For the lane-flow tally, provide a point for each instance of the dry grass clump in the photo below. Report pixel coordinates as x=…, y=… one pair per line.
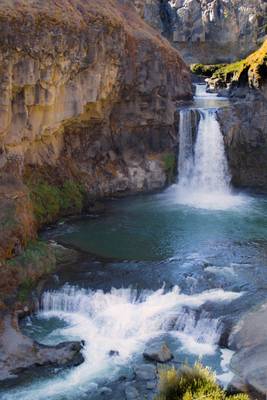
x=195, y=383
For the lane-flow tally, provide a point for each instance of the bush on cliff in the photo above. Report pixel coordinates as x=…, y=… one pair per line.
x=192, y=384
x=50, y=201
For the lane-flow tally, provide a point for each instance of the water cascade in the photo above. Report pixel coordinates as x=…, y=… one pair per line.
x=204, y=178
x=122, y=321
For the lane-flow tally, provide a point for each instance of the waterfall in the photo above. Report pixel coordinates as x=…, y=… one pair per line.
x=185, y=159
x=203, y=174
x=205, y=169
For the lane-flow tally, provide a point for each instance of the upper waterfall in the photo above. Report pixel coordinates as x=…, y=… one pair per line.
x=205, y=167
x=203, y=173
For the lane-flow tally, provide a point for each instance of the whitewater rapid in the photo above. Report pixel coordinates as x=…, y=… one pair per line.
x=122, y=321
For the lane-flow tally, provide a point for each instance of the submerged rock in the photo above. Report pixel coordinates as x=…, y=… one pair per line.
x=158, y=352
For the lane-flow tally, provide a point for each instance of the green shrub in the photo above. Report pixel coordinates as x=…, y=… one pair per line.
x=37, y=259
x=205, y=70
x=46, y=202
x=50, y=201
x=192, y=384
x=72, y=197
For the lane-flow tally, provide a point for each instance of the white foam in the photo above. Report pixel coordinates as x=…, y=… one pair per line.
x=227, y=375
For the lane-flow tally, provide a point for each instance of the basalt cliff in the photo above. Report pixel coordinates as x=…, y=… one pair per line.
x=86, y=110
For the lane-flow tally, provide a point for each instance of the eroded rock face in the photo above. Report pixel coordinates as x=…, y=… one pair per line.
x=244, y=126
x=210, y=31
x=83, y=97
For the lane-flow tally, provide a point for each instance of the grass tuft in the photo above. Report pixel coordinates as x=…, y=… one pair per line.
x=192, y=384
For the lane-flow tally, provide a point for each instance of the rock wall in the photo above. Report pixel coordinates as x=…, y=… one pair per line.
x=82, y=98
x=209, y=31
x=244, y=126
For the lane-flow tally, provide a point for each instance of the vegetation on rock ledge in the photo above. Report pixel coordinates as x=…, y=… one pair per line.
x=51, y=201
x=251, y=70
x=192, y=384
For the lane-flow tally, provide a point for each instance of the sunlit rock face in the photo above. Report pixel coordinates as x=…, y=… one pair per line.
x=209, y=31
x=83, y=97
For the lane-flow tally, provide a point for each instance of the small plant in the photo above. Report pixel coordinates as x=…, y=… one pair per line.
x=192, y=384
x=169, y=165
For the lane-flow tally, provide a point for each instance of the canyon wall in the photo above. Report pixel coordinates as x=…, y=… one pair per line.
x=208, y=31
x=83, y=99
x=244, y=126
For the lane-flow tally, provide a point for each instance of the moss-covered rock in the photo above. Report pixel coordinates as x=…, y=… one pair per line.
x=205, y=70
x=251, y=71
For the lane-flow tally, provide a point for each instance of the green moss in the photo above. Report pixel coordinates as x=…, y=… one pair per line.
x=50, y=201
x=72, y=196
x=8, y=218
x=204, y=70
x=37, y=259
x=192, y=384
x=25, y=289
x=169, y=165
x=251, y=70
x=32, y=254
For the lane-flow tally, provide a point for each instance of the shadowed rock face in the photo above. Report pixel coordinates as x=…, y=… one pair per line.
x=209, y=31
x=249, y=339
x=83, y=97
x=244, y=126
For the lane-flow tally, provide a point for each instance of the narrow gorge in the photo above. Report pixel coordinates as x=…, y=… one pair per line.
x=133, y=208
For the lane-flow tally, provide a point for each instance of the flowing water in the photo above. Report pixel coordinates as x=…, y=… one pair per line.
x=180, y=266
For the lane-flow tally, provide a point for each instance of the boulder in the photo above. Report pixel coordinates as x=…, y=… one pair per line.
x=249, y=338
x=158, y=352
